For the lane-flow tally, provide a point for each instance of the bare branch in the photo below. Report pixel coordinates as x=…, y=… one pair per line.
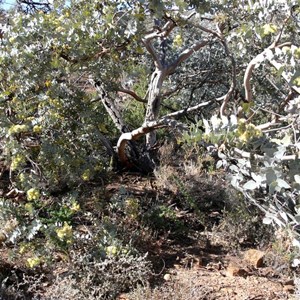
x=162, y=32
x=178, y=113
x=189, y=16
x=248, y=74
x=287, y=99
x=220, y=36
x=284, y=75
x=153, y=53
x=110, y=107
x=210, y=31
x=185, y=55
x=260, y=58
x=132, y=94
x=130, y=136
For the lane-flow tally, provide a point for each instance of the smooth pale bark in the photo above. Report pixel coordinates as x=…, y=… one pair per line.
x=111, y=108
x=154, y=103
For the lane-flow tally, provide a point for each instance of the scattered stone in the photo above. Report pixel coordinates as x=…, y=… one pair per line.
x=214, y=266
x=254, y=257
x=122, y=297
x=289, y=282
x=2, y=237
x=235, y=270
x=289, y=288
x=167, y=277
x=198, y=263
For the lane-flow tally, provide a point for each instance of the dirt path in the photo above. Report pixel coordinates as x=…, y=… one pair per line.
x=226, y=277
x=201, y=268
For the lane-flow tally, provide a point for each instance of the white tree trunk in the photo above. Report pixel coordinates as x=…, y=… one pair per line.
x=154, y=102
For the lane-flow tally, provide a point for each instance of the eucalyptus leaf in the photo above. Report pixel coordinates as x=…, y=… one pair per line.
x=297, y=178
x=282, y=183
x=215, y=122
x=258, y=178
x=234, y=168
x=267, y=220
x=219, y=164
x=284, y=216
x=270, y=175
x=280, y=153
x=250, y=185
x=233, y=120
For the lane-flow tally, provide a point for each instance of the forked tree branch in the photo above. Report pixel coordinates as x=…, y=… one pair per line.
x=184, y=55
x=157, y=33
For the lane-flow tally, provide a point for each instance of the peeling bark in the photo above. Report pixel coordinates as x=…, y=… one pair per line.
x=154, y=102
x=111, y=108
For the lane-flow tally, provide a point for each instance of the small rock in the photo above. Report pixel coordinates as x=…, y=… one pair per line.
x=167, y=277
x=289, y=288
x=122, y=297
x=254, y=257
x=198, y=263
x=3, y=237
x=289, y=282
x=235, y=270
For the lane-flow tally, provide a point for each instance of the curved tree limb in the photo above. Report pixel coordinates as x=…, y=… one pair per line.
x=248, y=73
x=258, y=59
x=132, y=94
x=147, y=127
x=184, y=55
